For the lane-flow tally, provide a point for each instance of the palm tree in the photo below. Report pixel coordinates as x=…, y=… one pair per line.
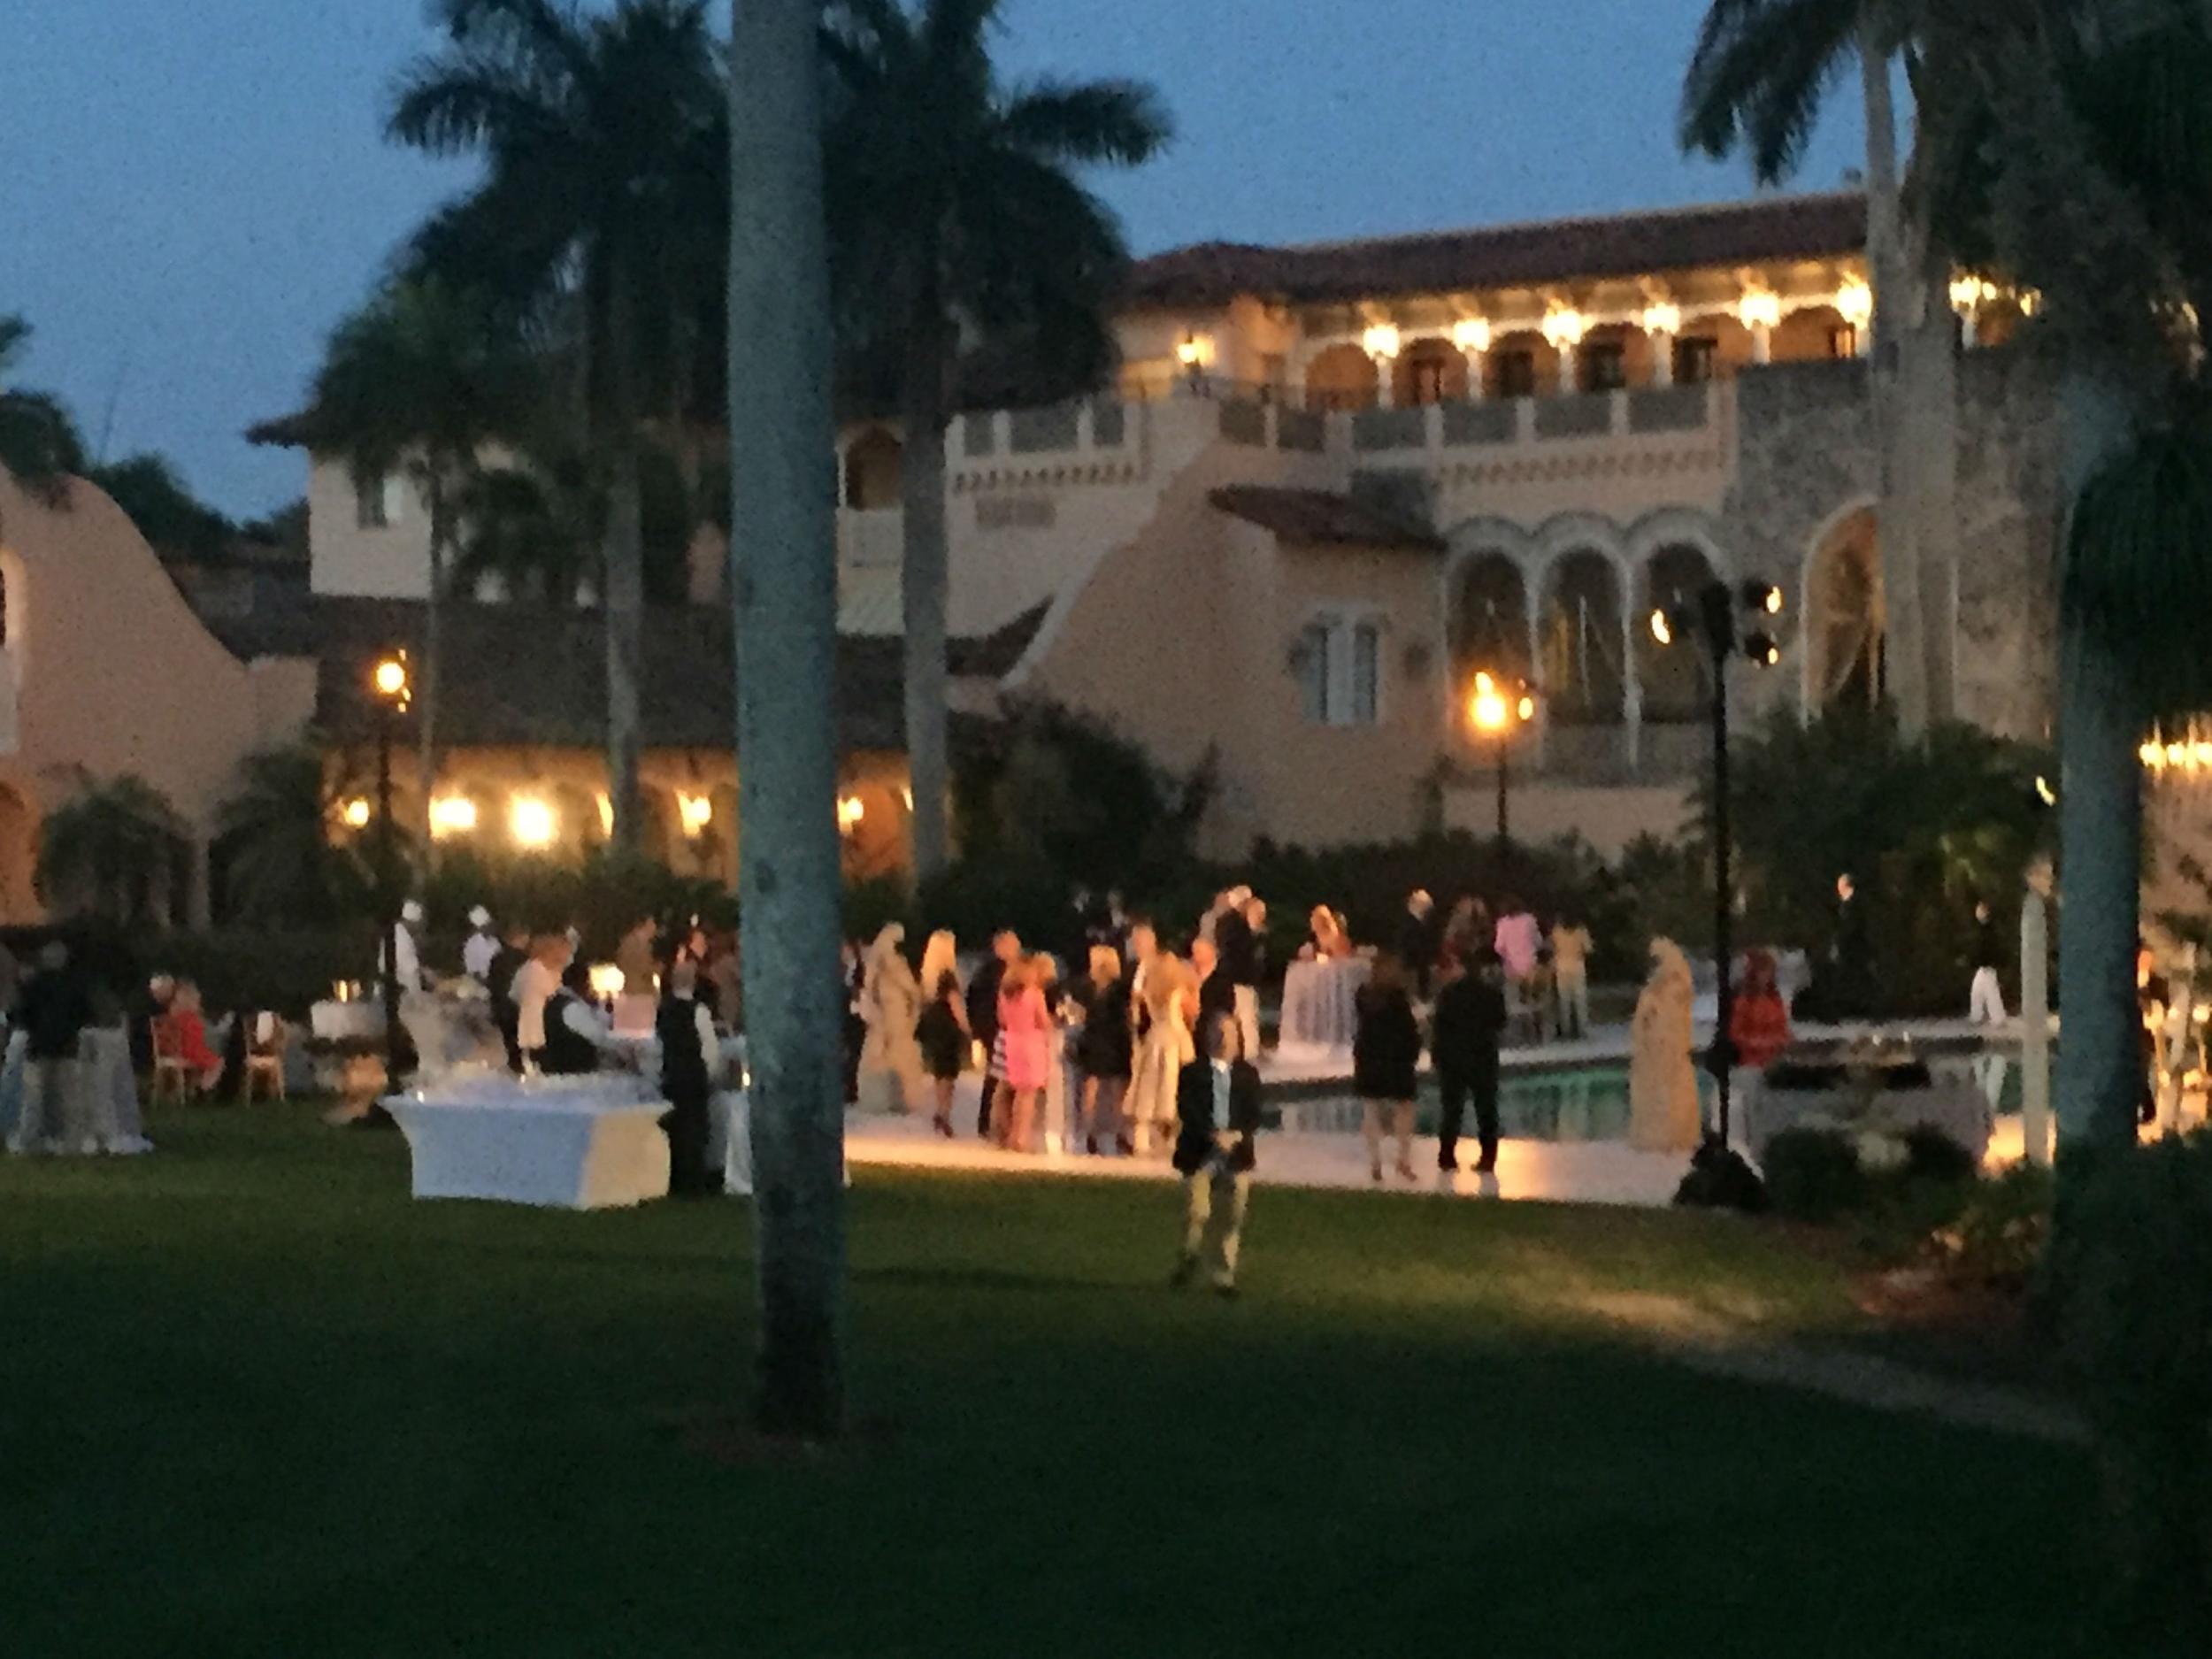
x=959, y=219
x=781, y=426
x=110, y=850
x=601, y=135
x=1756, y=80
x=419, y=383
x=38, y=441
x=278, y=861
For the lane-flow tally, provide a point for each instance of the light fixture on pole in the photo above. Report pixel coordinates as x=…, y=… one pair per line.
x=1729, y=622
x=393, y=689
x=1496, y=708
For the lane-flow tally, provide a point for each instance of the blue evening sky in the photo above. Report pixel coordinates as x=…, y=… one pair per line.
x=191, y=194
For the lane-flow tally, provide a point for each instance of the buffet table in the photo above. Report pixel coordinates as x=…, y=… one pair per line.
x=1318, y=1012
x=570, y=1143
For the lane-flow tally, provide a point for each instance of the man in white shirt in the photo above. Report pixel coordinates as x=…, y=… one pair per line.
x=480, y=947
x=1218, y=1104
x=536, y=982
x=401, y=950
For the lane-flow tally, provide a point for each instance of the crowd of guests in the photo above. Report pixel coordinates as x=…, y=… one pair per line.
x=1546, y=971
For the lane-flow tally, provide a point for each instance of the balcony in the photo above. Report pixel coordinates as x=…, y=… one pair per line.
x=1647, y=411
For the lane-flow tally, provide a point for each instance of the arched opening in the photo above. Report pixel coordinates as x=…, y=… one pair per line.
x=1489, y=620
x=873, y=462
x=1813, y=334
x=1844, y=617
x=1612, y=357
x=1520, y=364
x=1430, y=371
x=1342, y=377
x=1675, y=683
x=1584, y=679
x=1711, y=347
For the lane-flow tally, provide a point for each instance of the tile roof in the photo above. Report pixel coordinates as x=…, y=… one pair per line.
x=1322, y=516
x=1507, y=256
x=496, y=690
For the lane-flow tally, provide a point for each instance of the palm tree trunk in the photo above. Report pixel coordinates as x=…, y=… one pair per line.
x=623, y=562
x=2100, y=827
x=786, y=600
x=433, y=650
x=1904, y=648
x=924, y=582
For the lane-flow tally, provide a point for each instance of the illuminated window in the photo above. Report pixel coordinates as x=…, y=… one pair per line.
x=1604, y=366
x=1695, y=358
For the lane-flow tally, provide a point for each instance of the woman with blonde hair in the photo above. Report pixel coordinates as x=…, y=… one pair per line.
x=1165, y=1005
x=890, y=1006
x=943, y=1033
x=940, y=956
x=1104, y=1044
x=1025, y=1027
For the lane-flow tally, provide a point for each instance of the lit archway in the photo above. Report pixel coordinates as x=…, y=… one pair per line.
x=1342, y=377
x=1583, y=677
x=1844, y=621
x=1489, y=619
x=1430, y=371
x=1675, y=685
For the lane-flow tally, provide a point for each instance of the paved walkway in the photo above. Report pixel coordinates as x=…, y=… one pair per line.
x=1589, y=1172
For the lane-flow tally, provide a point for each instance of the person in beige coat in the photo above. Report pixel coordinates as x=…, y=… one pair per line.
x=890, y=1006
x=1663, y=1105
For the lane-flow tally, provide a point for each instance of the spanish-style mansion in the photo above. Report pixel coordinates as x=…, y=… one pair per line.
x=1333, y=483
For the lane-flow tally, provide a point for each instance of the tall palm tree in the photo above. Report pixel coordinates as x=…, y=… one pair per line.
x=110, y=850
x=602, y=136
x=781, y=426
x=958, y=218
x=39, y=443
x=2091, y=172
x=1756, y=80
x=419, y=383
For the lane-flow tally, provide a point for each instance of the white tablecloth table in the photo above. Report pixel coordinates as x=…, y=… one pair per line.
x=346, y=1022
x=568, y=1143
x=100, y=1100
x=1317, y=1004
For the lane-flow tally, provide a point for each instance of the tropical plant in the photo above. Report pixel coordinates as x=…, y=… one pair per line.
x=781, y=346
x=605, y=196
x=113, y=850
x=1756, y=79
x=958, y=222
x=278, y=861
x=39, y=443
x=419, y=383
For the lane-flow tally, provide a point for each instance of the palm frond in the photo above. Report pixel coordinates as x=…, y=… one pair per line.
x=1757, y=76
x=1117, y=123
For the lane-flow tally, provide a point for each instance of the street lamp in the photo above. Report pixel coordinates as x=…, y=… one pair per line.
x=393, y=690
x=1729, y=622
x=1496, y=708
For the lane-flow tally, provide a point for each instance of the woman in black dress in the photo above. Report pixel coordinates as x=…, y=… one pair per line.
x=1105, y=1044
x=942, y=1035
x=1386, y=1056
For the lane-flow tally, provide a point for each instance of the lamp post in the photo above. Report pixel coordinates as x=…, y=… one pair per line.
x=1715, y=614
x=394, y=692
x=1496, y=708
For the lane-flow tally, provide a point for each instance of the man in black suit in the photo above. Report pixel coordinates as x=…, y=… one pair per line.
x=1417, y=941
x=1237, y=934
x=1469, y=1024
x=1217, y=1109
x=1217, y=991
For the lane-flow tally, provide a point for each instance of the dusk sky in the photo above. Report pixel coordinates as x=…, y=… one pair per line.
x=191, y=195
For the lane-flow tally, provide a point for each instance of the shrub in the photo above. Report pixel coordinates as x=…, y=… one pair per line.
x=1931, y=1155
x=2131, y=1277
x=1814, y=1174
x=1997, y=1240
x=248, y=970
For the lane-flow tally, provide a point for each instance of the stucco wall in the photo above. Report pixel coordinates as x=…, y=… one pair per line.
x=117, y=676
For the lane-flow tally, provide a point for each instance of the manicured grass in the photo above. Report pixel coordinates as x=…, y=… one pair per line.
x=255, y=1401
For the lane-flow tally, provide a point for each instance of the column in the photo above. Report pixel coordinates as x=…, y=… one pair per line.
x=1385, y=378
x=1478, y=363
x=1662, y=358
x=1568, y=353
x=1534, y=593
x=1761, y=342
x=1632, y=681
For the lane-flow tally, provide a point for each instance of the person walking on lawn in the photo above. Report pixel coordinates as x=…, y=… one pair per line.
x=1217, y=1120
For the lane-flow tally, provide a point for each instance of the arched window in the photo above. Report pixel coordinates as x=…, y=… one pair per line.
x=1584, y=660
x=1430, y=371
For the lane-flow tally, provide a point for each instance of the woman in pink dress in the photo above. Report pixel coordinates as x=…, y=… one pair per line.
x=1026, y=1025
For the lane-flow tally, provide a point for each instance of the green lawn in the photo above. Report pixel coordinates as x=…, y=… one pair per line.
x=253, y=1401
